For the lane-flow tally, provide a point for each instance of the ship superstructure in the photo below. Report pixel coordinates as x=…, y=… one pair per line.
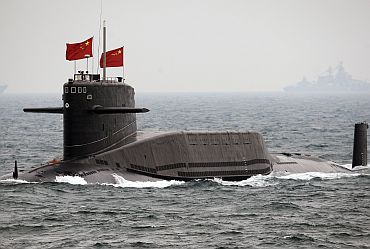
x=335, y=80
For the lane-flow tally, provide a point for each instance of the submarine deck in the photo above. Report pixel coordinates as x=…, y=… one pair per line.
x=300, y=163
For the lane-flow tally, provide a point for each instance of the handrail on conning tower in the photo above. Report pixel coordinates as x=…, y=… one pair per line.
x=81, y=76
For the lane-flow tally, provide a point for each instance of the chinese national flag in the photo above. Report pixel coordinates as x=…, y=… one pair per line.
x=77, y=51
x=114, y=58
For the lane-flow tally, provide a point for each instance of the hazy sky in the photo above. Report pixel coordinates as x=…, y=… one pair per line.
x=186, y=45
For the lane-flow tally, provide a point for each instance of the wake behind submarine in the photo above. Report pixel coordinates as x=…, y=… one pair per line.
x=101, y=142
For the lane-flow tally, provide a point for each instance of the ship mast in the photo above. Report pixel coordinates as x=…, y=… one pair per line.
x=104, y=51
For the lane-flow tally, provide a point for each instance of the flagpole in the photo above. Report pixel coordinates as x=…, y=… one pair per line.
x=104, y=51
x=92, y=64
x=123, y=66
x=75, y=66
x=87, y=63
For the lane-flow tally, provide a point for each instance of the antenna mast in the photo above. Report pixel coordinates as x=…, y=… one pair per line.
x=104, y=51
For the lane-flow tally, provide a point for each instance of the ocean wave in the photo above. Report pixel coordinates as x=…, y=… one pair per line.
x=360, y=168
x=357, y=168
x=75, y=180
x=254, y=181
x=123, y=183
x=15, y=181
x=273, y=179
x=316, y=175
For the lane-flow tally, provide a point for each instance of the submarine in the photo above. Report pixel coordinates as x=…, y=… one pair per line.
x=101, y=142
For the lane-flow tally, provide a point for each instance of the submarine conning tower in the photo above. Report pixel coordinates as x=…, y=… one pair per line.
x=87, y=132
x=98, y=115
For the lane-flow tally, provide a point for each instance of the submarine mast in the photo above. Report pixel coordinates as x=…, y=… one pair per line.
x=104, y=51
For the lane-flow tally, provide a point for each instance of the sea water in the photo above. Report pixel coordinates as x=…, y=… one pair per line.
x=309, y=210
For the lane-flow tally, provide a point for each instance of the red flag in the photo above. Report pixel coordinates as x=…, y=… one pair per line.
x=77, y=51
x=114, y=58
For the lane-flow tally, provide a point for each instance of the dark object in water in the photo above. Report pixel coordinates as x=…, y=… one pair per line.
x=15, y=172
x=360, y=145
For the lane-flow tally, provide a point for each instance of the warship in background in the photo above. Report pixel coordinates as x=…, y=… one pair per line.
x=332, y=81
x=2, y=88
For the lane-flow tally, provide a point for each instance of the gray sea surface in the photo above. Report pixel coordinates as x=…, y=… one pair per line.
x=312, y=210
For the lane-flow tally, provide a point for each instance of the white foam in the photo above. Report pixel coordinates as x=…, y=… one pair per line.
x=15, y=181
x=76, y=180
x=360, y=168
x=123, y=183
x=357, y=168
x=347, y=166
x=311, y=175
x=254, y=181
x=273, y=178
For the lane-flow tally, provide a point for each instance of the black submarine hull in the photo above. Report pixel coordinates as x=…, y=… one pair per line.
x=183, y=156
